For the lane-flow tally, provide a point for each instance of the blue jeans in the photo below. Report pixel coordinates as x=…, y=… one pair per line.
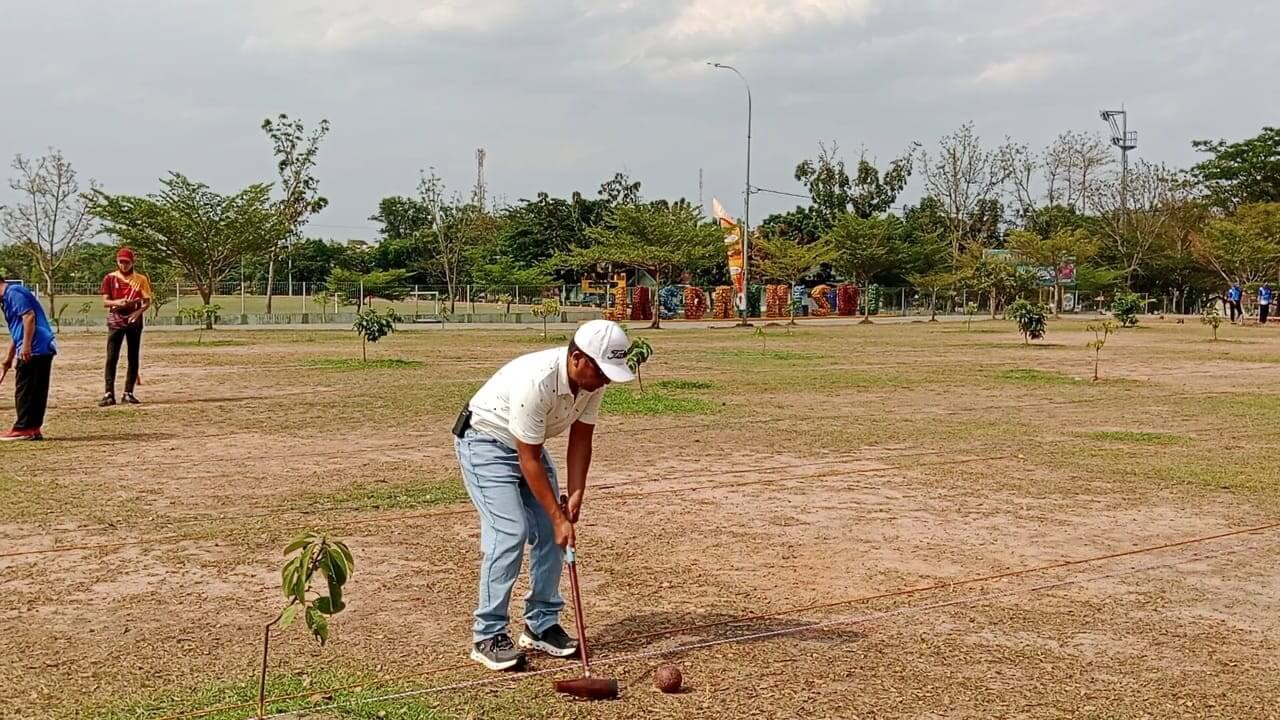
x=510, y=516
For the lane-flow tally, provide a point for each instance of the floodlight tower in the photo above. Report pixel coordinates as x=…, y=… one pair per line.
x=1125, y=139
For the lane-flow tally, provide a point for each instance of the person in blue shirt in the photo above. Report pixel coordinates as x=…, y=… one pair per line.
x=1234, y=295
x=33, y=346
x=1264, y=303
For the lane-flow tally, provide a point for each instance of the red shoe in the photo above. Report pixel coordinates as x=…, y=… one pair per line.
x=16, y=435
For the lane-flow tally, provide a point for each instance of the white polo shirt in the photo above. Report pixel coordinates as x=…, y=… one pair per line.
x=529, y=400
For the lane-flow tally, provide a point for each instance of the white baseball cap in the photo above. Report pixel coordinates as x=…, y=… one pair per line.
x=605, y=342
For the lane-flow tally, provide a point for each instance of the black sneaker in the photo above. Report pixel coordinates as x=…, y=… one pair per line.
x=497, y=653
x=107, y=400
x=129, y=399
x=553, y=641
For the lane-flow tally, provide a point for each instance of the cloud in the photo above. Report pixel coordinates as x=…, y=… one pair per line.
x=1017, y=71
x=562, y=93
x=657, y=36
x=301, y=25
x=748, y=19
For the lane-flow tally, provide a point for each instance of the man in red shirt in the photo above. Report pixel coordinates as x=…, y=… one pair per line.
x=126, y=294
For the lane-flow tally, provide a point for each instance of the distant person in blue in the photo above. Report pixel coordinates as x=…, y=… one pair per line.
x=1234, y=295
x=1264, y=303
x=33, y=347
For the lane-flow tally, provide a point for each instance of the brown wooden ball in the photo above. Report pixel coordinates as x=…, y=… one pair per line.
x=667, y=679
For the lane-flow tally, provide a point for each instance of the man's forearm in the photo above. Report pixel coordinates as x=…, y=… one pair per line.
x=579, y=463
x=28, y=332
x=535, y=475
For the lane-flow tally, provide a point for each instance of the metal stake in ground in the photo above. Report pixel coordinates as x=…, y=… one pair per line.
x=585, y=687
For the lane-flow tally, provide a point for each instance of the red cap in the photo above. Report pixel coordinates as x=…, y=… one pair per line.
x=124, y=254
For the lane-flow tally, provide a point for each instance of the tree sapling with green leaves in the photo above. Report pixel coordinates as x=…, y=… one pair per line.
x=1126, y=308
x=315, y=554
x=1031, y=319
x=372, y=326
x=1101, y=331
x=505, y=300
x=638, y=354
x=1212, y=317
x=970, y=309
x=201, y=315
x=931, y=284
x=549, y=307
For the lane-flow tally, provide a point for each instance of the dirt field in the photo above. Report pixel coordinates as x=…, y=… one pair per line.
x=752, y=477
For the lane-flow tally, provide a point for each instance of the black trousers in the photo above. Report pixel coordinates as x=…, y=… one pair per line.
x=115, y=337
x=31, y=396
x=1263, y=312
x=1236, y=312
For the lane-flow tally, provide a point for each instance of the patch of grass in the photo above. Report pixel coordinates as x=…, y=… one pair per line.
x=1260, y=408
x=1031, y=376
x=783, y=355
x=1137, y=437
x=827, y=380
x=679, y=385
x=550, y=339
x=246, y=691
x=351, y=364
x=977, y=329
x=400, y=496
x=206, y=343
x=359, y=702
x=428, y=399
x=31, y=498
x=1267, y=359
x=1258, y=477
x=625, y=401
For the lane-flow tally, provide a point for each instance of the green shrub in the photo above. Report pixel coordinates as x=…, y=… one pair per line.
x=372, y=326
x=1126, y=308
x=1031, y=318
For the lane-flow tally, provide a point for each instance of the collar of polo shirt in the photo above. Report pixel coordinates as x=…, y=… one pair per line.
x=562, y=374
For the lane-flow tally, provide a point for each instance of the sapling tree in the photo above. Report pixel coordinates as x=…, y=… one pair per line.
x=931, y=284
x=970, y=309
x=1126, y=308
x=1101, y=331
x=201, y=315
x=56, y=316
x=372, y=326
x=638, y=354
x=1212, y=317
x=315, y=554
x=1031, y=319
x=549, y=307
x=764, y=338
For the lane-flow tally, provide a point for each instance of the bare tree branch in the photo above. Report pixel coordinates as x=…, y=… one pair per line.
x=51, y=218
x=962, y=176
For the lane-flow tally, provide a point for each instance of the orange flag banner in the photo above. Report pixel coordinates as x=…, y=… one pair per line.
x=733, y=248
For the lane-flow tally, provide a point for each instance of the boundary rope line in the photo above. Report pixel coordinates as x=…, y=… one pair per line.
x=750, y=618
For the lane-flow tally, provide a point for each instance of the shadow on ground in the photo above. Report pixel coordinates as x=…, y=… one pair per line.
x=112, y=437
x=640, y=631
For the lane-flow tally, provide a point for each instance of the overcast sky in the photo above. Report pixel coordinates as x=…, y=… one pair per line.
x=563, y=93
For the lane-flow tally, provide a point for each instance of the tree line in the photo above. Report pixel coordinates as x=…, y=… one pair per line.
x=1176, y=232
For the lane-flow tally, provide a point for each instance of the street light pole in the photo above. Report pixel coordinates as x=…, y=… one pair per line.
x=746, y=195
